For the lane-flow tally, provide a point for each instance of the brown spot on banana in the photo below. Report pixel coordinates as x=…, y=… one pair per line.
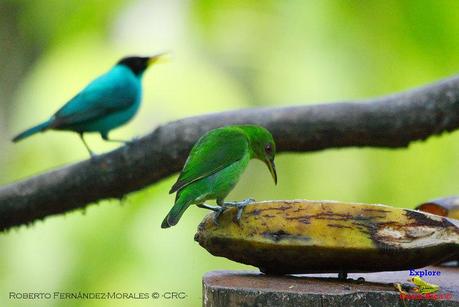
x=446, y=206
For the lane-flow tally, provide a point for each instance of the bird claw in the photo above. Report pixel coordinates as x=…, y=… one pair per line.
x=93, y=157
x=217, y=209
x=217, y=215
x=238, y=204
x=124, y=142
x=240, y=207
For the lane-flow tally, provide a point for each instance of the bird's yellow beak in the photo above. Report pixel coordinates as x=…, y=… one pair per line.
x=159, y=58
x=272, y=169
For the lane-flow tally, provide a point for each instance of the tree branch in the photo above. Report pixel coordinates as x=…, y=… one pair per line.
x=392, y=121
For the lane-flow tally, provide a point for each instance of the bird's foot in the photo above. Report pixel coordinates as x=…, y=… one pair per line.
x=125, y=142
x=93, y=156
x=240, y=205
x=217, y=214
x=217, y=209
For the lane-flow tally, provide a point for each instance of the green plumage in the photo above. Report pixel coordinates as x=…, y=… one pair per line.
x=216, y=163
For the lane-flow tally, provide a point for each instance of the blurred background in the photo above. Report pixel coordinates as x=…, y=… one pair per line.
x=226, y=55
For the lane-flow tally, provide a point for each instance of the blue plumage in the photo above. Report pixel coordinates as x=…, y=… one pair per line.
x=106, y=103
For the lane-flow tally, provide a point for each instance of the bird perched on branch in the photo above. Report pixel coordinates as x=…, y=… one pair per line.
x=215, y=165
x=106, y=103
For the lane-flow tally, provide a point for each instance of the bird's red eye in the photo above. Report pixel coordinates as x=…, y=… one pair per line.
x=268, y=148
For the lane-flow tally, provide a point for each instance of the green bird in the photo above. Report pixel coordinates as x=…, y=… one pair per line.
x=215, y=165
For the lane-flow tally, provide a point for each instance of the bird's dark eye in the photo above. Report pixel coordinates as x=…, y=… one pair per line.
x=268, y=148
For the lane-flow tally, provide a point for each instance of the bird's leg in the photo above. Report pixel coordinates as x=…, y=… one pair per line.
x=222, y=206
x=209, y=207
x=240, y=205
x=86, y=145
x=236, y=204
x=217, y=209
x=217, y=214
x=106, y=138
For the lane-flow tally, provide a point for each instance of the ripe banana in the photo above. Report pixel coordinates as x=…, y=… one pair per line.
x=301, y=236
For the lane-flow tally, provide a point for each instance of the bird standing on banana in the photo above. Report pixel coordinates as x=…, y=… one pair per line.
x=215, y=165
x=106, y=103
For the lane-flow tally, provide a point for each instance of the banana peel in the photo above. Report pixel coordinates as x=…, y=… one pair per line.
x=302, y=236
x=445, y=206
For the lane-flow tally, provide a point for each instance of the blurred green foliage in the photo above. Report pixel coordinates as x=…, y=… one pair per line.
x=226, y=55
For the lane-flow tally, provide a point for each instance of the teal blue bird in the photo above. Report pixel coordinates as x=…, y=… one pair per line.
x=106, y=103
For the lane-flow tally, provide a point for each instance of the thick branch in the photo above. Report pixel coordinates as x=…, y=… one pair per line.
x=392, y=121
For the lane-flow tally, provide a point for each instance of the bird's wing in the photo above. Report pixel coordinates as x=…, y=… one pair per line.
x=105, y=95
x=212, y=153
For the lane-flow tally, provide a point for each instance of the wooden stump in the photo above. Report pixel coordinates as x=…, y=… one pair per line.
x=250, y=288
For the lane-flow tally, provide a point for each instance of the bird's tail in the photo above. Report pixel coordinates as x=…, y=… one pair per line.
x=38, y=128
x=182, y=203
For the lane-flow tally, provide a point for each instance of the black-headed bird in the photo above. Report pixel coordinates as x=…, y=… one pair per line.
x=106, y=103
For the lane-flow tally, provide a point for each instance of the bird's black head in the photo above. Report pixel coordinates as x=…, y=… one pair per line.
x=136, y=64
